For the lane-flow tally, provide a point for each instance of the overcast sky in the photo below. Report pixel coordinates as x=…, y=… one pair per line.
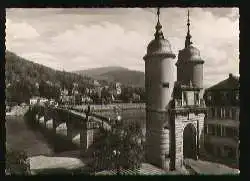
x=75, y=39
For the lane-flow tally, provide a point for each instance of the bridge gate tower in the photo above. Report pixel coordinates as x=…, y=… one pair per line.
x=175, y=111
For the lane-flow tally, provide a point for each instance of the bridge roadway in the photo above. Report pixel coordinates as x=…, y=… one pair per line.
x=78, y=127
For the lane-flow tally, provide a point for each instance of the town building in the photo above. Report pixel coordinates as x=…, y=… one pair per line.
x=96, y=83
x=75, y=88
x=222, y=122
x=66, y=99
x=64, y=92
x=118, y=88
x=136, y=97
x=38, y=100
x=175, y=111
x=33, y=100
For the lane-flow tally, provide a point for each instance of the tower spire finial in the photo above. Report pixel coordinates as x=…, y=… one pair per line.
x=188, y=37
x=188, y=22
x=158, y=14
x=158, y=33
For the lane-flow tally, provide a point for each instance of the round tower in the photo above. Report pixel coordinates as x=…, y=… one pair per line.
x=188, y=110
x=159, y=84
x=189, y=60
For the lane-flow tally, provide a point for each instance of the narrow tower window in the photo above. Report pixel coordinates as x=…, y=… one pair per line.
x=165, y=85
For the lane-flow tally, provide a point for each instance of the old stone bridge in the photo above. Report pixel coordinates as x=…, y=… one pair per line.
x=81, y=128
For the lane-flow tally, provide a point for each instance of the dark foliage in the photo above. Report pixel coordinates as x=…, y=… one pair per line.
x=17, y=163
x=121, y=148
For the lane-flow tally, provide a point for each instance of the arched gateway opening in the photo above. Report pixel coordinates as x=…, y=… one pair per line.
x=189, y=142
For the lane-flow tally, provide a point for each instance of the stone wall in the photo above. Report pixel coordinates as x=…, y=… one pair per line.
x=181, y=121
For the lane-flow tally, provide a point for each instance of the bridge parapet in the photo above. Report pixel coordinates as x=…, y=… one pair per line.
x=109, y=107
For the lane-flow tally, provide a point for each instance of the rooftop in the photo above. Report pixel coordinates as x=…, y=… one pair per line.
x=232, y=82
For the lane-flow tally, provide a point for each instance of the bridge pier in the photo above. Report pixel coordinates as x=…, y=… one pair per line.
x=41, y=120
x=49, y=124
x=54, y=116
x=54, y=125
x=69, y=130
x=36, y=121
x=46, y=118
x=83, y=138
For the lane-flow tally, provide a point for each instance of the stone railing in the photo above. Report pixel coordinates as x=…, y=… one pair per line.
x=178, y=103
x=121, y=106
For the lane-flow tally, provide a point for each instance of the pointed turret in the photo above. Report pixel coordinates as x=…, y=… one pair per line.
x=188, y=37
x=158, y=27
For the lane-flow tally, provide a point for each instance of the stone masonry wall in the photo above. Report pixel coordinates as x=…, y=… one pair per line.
x=180, y=123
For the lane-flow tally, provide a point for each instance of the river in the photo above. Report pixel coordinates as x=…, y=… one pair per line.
x=20, y=137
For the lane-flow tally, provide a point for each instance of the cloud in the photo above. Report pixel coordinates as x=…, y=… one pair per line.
x=74, y=39
x=111, y=47
x=18, y=31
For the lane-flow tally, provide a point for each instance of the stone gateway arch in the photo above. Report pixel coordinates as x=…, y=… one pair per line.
x=189, y=142
x=175, y=110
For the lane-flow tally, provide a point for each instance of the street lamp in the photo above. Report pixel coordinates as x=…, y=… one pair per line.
x=88, y=111
x=117, y=154
x=118, y=115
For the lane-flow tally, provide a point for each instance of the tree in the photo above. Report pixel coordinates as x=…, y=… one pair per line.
x=122, y=147
x=19, y=91
x=126, y=94
x=105, y=95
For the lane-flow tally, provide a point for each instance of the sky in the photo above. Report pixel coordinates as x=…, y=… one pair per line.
x=77, y=39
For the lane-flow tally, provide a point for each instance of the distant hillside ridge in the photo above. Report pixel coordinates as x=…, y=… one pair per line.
x=18, y=68
x=116, y=74
x=99, y=70
x=25, y=79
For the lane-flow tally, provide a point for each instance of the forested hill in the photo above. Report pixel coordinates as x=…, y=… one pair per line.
x=22, y=77
x=18, y=68
x=116, y=74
